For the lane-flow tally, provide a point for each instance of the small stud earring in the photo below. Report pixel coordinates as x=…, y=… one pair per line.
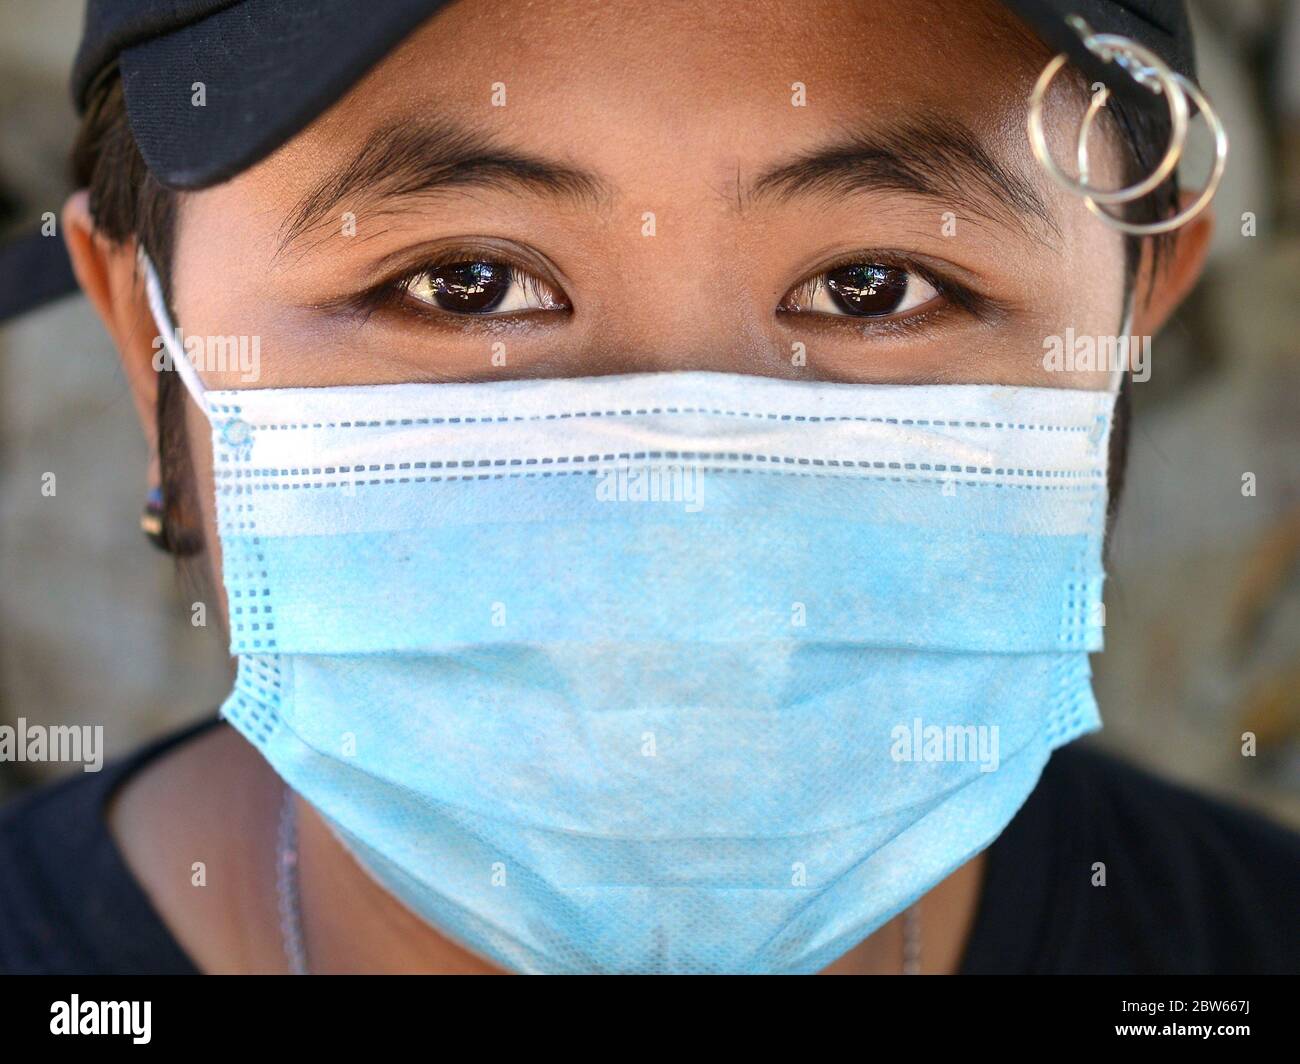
x=152, y=520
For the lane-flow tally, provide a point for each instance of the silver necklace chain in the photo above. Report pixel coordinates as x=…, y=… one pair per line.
x=286, y=887
x=289, y=898
x=912, y=939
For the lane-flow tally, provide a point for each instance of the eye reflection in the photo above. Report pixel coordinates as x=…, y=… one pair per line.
x=862, y=290
x=477, y=285
x=480, y=287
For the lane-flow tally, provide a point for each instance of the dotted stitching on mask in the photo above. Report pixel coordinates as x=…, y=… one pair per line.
x=781, y=461
x=274, y=486
x=1072, y=686
x=661, y=410
x=257, y=697
x=252, y=622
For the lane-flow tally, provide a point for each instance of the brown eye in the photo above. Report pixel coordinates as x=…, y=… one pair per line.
x=873, y=290
x=469, y=287
x=862, y=290
x=479, y=287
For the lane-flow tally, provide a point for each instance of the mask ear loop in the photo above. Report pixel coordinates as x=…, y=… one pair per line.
x=170, y=335
x=1125, y=337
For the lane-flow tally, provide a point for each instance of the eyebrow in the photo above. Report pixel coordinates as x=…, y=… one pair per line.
x=411, y=159
x=937, y=158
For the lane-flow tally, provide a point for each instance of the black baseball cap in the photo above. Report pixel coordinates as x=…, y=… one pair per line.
x=267, y=68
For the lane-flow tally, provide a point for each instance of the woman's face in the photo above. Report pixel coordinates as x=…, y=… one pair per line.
x=817, y=191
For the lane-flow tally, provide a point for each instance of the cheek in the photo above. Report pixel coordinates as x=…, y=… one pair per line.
x=1096, y=307
x=1081, y=299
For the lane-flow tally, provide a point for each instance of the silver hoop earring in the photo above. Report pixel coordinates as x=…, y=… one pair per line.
x=1194, y=208
x=1152, y=73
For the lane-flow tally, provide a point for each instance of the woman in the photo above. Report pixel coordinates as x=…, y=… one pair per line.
x=524, y=386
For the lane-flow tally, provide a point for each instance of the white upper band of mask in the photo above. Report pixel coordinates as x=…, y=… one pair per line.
x=717, y=420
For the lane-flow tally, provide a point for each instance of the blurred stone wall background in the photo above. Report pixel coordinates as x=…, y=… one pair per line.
x=94, y=628
x=1203, y=603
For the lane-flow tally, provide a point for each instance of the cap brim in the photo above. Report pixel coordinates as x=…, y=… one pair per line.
x=211, y=99
x=217, y=96
x=267, y=68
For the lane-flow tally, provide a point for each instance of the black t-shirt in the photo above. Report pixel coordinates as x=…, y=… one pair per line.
x=1192, y=885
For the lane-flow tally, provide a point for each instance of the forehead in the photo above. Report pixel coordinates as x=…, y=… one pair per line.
x=674, y=107
x=652, y=85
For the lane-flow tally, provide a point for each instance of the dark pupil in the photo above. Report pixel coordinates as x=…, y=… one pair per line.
x=869, y=290
x=470, y=287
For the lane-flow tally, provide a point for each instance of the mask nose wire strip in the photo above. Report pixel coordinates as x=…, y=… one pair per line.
x=167, y=333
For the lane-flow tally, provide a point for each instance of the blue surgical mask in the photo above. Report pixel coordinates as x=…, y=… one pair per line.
x=667, y=672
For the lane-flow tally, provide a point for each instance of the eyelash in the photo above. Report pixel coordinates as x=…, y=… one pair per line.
x=392, y=294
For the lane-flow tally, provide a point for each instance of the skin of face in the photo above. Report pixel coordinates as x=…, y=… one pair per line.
x=678, y=236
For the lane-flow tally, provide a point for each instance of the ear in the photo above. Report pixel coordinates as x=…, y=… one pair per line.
x=1159, y=294
x=106, y=271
